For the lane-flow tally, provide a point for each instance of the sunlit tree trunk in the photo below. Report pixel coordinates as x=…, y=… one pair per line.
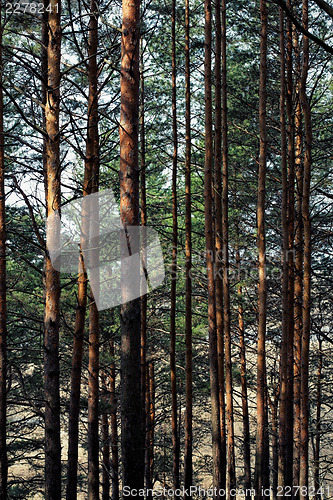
x=132, y=437
x=262, y=471
x=174, y=425
x=52, y=279
x=213, y=361
x=188, y=472
x=3, y=308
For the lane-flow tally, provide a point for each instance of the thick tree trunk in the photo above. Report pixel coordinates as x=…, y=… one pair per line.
x=243, y=373
x=105, y=445
x=132, y=437
x=188, y=472
x=262, y=470
x=304, y=453
x=52, y=279
x=3, y=308
x=213, y=360
x=114, y=427
x=174, y=425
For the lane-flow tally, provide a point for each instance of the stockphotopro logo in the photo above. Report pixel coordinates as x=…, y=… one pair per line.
x=122, y=264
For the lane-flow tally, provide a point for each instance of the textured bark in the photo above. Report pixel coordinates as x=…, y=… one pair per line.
x=174, y=425
x=188, y=472
x=3, y=307
x=218, y=236
x=304, y=452
x=262, y=470
x=225, y=256
x=243, y=373
x=213, y=360
x=298, y=267
x=92, y=157
x=105, y=445
x=114, y=428
x=132, y=437
x=52, y=280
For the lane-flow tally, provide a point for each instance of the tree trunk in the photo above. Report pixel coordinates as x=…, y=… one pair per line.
x=213, y=360
x=283, y=423
x=225, y=255
x=92, y=157
x=106, y=445
x=90, y=184
x=151, y=424
x=245, y=409
x=188, y=261
x=52, y=279
x=144, y=380
x=114, y=428
x=218, y=236
x=262, y=471
x=298, y=268
x=290, y=260
x=132, y=438
x=304, y=458
x=318, y=496
x=174, y=426
x=3, y=307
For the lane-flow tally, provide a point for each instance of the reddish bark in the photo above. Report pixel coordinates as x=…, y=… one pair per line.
x=52, y=280
x=304, y=442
